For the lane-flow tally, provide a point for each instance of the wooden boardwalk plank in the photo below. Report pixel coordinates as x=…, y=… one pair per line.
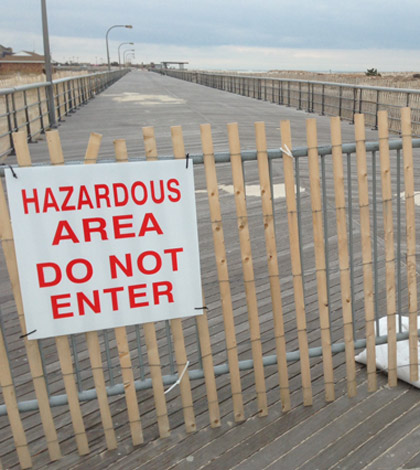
x=143, y=99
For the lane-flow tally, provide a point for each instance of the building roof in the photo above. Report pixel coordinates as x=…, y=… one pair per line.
x=23, y=57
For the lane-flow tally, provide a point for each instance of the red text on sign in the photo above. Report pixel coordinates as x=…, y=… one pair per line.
x=139, y=295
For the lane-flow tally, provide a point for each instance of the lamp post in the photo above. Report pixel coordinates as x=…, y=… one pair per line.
x=48, y=68
x=129, y=26
x=119, y=58
x=125, y=52
x=130, y=56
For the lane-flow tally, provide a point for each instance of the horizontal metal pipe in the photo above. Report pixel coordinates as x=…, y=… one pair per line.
x=312, y=82
x=251, y=155
x=197, y=374
x=31, y=86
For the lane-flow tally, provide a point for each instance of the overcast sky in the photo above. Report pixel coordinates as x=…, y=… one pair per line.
x=338, y=35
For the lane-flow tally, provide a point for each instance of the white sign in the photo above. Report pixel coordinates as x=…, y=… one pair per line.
x=106, y=245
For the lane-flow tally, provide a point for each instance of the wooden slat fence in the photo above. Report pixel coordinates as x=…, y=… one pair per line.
x=279, y=269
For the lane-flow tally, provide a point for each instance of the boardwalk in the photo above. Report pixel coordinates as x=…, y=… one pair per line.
x=377, y=430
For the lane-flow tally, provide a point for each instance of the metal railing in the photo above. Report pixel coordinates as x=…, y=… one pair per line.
x=26, y=107
x=143, y=380
x=325, y=98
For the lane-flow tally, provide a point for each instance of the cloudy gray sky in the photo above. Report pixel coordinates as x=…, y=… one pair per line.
x=339, y=35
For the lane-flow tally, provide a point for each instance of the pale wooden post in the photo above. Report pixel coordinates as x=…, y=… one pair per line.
x=320, y=262
x=151, y=154
x=246, y=255
x=121, y=335
x=9, y=395
x=57, y=158
x=92, y=149
x=227, y=311
x=94, y=348
x=121, y=155
x=343, y=254
x=202, y=324
x=271, y=250
x=411, y=241
x=32, y=348
x=389, y=246
x=92, y=340
x=362, y=175
x=289, y=182
x=151, y=341
x=207, y=358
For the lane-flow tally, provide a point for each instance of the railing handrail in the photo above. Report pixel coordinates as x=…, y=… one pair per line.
x=31, y=86
x=311, y=82
x=251, y=155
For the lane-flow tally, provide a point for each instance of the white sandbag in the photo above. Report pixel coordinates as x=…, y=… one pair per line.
x=403, y=360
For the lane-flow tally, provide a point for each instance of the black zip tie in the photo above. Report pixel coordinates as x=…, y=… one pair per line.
x=27, y=334
x=11, y=169
x=201, y=308
x=187, y=157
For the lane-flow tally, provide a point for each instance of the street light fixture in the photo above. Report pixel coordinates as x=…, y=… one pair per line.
x=119, y=58
x=125, y=52
x=129, y=26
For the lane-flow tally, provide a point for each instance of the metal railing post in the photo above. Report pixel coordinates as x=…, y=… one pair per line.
x=377, y=109
x=28, y=121
x=9, y=121
x=41, y=116
x=340, y=101
x=300, y=96
x=58, y=103
x=355, y=91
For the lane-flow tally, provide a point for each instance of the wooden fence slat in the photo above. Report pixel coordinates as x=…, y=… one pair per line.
x=411, y=241
x=179, y=153
x=156, y=375
x=247, y=265
x=92, y=339
x=230, y=334
x=20, y=143
x=9, y=395
x=62, y=343
x=124, y=349
x=185, y=385
x=54, y=147
x=94, y=349
x=66, y=364
x=389, y=246
x=249, y=279
x=92, y=149
x=202, y=323
x=208, y=367
x=289, y=181
x=32, y=347
x=149, y=328
x=343, y=254
x=320, y=262
x=272, y=259
x=362, y=175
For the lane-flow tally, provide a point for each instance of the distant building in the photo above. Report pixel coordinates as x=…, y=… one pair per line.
x=5, y=51
x=23, y=62
x=181, y=65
